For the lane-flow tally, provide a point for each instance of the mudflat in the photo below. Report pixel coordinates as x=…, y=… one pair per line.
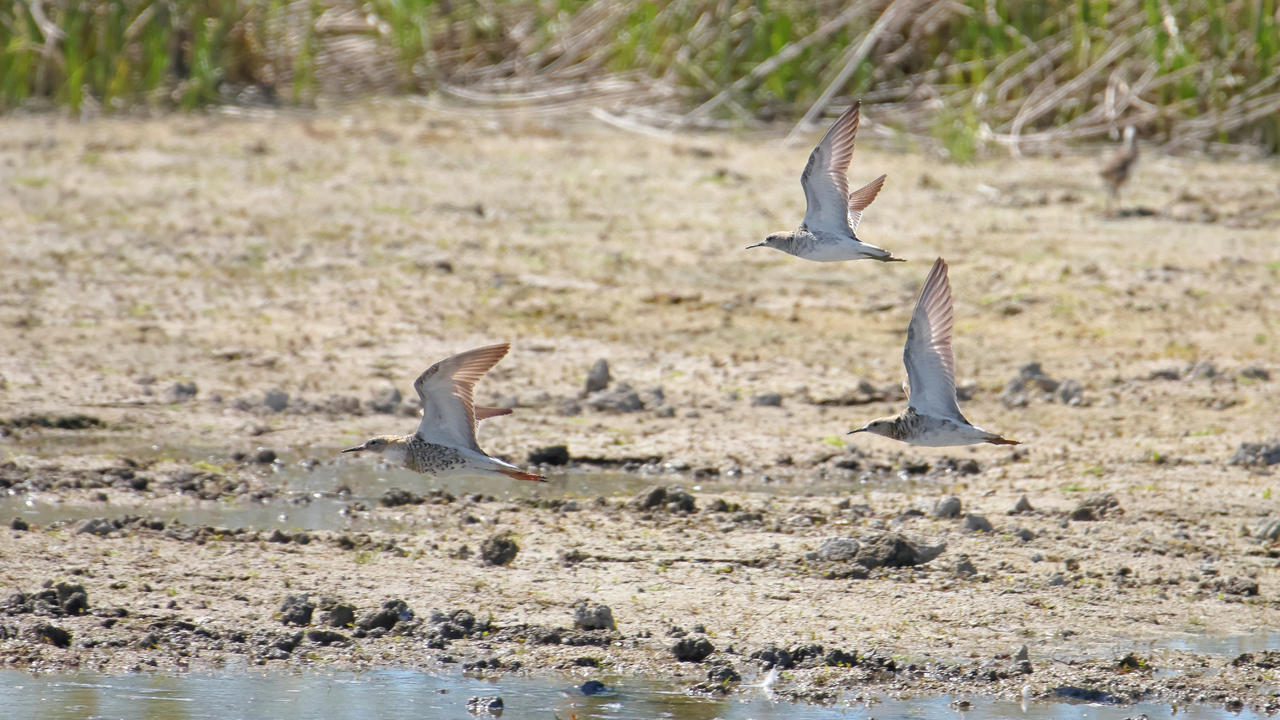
x=195, y=307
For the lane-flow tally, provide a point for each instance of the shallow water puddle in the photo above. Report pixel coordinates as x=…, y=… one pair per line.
x=308, y=493
x=1229, y=646
x=316, y=514
x=386, y=694
x=324, y=470
x=307, y=499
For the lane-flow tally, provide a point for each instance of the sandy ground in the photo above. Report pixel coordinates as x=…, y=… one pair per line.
x=317, y=262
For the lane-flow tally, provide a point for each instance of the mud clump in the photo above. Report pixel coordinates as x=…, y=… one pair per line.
x=1031, y=381
x=890, y=549
x=392, y=612
x=276, y=400
x=54, y=600
x=598, y=377
x=1255, y=372
x=50, y=634
x=75, y=421
x=1256, y=454
x=550, y=455
x=1098, y=506
x=592, y=617
x=395, y=497
x=773, y=656
x=499, y=549
x=1267, y=529
x=690, y=649
x=385, y=400
x=1266, y=659
x=335, y=613
x=444, y=628
x=490, y=705
x=98, y=526
x=1021, y=662
x=327, y=637
x=847, y=558
x=1237, y=586
x=766, y=399
x=1131, y=662
x=542, y=635
x=297, y=610
x=723, y=675
x=673, y=499
x=977, y=523
x=837, y=549
x=621, y=399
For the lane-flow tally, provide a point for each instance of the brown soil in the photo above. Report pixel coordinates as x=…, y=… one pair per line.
x=334, y=257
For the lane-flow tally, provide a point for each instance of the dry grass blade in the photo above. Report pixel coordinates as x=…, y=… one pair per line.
x=856, y=55
x=787, y=53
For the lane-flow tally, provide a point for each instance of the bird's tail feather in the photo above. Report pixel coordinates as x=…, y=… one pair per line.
x=878, y=253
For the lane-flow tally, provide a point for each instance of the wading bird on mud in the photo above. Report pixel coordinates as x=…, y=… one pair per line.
x=445, y=442
x=932, y=416
x=1118, y=168
x=828, y=232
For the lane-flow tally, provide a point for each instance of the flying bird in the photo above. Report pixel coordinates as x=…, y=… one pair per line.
x=445, y=442
x=932, y=417
x=828, y=232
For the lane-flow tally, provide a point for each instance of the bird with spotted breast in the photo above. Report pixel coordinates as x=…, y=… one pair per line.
x=828, y=232
x=445, y=442
x=932, y=417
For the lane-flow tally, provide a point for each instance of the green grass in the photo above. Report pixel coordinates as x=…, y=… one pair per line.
x=978, y=72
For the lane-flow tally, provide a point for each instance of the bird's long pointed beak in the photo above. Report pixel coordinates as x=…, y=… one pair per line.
x=756, y=245
x=861, y=429
x=357, y=448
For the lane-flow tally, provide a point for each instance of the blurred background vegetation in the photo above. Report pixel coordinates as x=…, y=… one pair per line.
x=971, y=74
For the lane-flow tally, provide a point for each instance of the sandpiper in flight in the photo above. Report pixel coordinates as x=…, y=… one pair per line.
x=932, y=416
x=828, y=232
x=445, y=443
x=1118, y=168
